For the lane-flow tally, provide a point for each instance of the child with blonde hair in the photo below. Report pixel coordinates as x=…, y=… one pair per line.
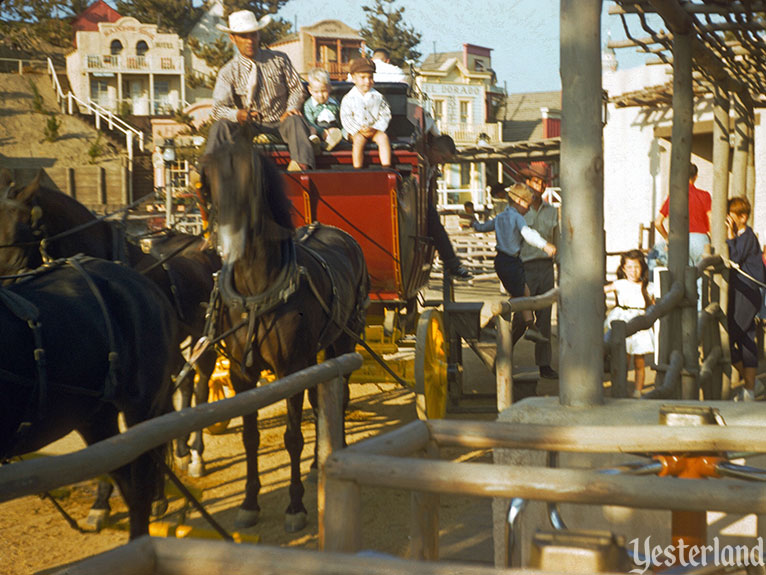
x=321, y=110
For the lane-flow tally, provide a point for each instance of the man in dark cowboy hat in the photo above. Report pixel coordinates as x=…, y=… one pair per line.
x=259, y=87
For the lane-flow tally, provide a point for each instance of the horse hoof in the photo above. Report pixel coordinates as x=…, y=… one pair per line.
x=159, y=507
x=246, y=518
x=183, y=463
x=196, y=466
x=97, y=518
x=295, y=521
x=313, y=475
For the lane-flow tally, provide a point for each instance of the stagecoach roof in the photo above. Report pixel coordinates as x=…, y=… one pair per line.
x=539, y=150
x=729, y=49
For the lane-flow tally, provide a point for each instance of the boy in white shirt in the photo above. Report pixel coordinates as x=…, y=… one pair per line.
x=365, y=114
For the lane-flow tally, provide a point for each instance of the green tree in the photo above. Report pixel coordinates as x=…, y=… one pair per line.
x=215, y=54
x=278, y=28
x=39, y=21
x=386, y=28
x=170, y=15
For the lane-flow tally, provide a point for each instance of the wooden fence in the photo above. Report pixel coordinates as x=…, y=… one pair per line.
x=46, y=473
x=152, y=556
x=407, y=458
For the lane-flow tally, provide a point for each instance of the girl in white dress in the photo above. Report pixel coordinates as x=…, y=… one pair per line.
x=630, y=290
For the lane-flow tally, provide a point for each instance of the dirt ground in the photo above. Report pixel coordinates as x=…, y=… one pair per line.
x=35, y=538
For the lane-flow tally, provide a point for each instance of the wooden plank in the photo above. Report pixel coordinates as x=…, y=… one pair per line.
x=405, y=440
x=44, y=474
x=543, y=484
x=201, y=557
x=424, y=518
x=597, y=438
x=135, y=558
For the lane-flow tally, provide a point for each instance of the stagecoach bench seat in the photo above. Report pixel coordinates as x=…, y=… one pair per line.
x=400, y=130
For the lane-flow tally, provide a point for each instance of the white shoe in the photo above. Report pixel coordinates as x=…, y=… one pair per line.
x=294, y=166
x=334, y=136
x=748, y=395
x=314, y=139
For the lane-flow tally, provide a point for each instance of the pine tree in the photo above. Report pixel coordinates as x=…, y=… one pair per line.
x=43, y=20
x=385, y=28
x=215, y=54
x=169, y=15
x=274, y=31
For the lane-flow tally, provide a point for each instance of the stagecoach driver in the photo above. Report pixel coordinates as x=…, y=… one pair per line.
x=261, y=88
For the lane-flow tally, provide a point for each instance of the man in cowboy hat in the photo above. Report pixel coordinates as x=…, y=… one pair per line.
x=511, y=233
x=259, y=87
x=538, y=265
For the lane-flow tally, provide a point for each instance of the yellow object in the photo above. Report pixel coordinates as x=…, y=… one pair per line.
x=166, y=529
x=431, y=365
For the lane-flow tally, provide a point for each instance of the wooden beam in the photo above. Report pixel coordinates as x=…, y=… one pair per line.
x=543, y=484
x=46, y=473
x=597, y=438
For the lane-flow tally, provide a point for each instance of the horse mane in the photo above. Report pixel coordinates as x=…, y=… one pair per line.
x=253, y=191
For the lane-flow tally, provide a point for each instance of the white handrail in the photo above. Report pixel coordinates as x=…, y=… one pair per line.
x=99, y=111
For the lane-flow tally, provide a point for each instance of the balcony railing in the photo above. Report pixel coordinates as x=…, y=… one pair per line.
x=110, y=63
x=470, y=133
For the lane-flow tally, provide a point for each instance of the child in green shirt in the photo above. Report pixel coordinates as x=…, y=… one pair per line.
x=321, y=110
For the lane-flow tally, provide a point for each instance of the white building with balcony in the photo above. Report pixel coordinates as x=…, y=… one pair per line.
x=460, y=87
x=129, y=68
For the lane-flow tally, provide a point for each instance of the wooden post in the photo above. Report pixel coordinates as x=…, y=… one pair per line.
x=71, y=189
x=739, y=159
x=690, y=345
x=750, y=170
x=721, y=150
x=618, y=361
x=124, y=185
x=582, y=185
x=341, y=524
x=101, y=185
x=678, y=233
x=329, y=436
x=504, y=364
x=722, y=281
x=424, y=520
x=663, y=337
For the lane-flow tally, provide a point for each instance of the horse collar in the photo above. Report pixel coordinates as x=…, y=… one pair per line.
x=279, y=292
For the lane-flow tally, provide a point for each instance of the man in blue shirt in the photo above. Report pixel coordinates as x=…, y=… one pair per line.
x=511, y=231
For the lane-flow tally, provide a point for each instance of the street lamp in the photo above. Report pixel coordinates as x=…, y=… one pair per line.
x=168, y=156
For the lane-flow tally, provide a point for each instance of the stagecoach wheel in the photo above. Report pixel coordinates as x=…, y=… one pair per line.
x=431, y=366
x=220, y=388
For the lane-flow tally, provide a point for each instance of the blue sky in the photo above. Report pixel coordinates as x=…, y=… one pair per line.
x=524, y=34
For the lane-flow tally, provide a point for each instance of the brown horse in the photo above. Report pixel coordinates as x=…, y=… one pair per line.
x=81, y=342
x=301, y=293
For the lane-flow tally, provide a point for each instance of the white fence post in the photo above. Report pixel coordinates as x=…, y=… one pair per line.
x=98, y=120
x=70, y=104
x=129, y=144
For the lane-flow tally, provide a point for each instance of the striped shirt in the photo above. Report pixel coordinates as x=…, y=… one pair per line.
x=358, y=110
x=268, y=84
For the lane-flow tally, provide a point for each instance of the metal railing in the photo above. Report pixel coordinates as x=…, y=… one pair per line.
x=468, y=133
x=100, y=113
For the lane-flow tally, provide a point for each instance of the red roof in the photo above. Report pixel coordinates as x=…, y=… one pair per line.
x=88, y=19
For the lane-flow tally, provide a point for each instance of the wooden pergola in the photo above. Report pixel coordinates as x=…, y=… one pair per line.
x=714, y=47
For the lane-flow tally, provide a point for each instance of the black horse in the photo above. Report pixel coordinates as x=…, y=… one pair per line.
x=300, y=293
x=82, y=341
x=36, y=220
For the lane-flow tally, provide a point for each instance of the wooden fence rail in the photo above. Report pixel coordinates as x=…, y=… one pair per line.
x=405, y=459
x=154, y=556
x=43, y=474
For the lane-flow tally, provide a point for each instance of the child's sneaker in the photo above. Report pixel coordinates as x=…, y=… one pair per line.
x=316, y=143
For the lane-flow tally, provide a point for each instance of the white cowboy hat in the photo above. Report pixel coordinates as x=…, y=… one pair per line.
x=244, y=22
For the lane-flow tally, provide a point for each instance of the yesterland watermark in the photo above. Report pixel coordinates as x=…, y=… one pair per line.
x=651, y=556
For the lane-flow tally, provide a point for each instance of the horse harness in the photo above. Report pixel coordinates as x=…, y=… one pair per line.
x=28, y=312
x=286, y=285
